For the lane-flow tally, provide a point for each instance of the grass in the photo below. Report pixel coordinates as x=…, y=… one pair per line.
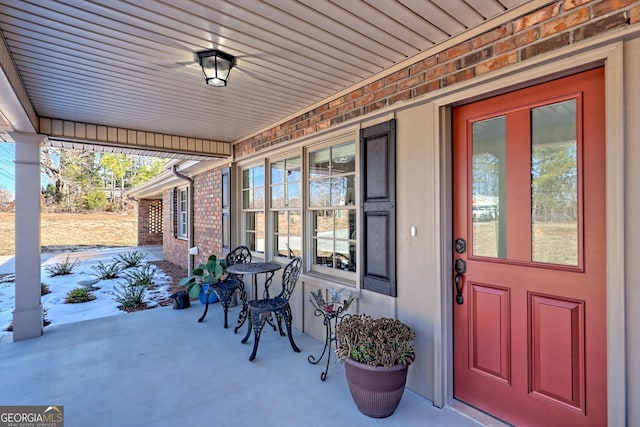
x=61, y=229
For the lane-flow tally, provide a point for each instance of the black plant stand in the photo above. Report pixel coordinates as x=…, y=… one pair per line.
x=332, y=314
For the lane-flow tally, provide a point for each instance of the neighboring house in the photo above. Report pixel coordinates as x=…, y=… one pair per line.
x=375, y=190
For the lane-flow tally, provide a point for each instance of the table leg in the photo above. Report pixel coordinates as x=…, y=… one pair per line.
x=242, y=317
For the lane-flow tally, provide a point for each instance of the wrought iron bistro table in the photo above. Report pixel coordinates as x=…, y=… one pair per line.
x=253, y=269
x=332, y=313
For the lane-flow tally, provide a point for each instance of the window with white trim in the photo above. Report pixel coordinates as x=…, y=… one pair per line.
x=183, y=209
x=332, y=208
x=253, y=213
x=286, y=207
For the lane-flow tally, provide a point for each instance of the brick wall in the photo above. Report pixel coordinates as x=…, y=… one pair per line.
x=174, y=249
x=207, y=212
x=150, y=222
x=207, y=221
x=561, y=23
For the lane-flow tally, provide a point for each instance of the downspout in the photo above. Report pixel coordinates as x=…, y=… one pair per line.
x=191, y=218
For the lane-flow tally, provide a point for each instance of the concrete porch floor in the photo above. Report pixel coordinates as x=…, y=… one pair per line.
x=160, y=367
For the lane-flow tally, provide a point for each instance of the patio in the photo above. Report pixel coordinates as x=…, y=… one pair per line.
x=161, y=367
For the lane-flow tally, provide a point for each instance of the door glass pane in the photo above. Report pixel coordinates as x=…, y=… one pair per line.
x=488, y=210
x=554, y=184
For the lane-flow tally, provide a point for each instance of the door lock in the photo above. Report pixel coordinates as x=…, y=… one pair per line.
x=460, y=245
x=460, y=267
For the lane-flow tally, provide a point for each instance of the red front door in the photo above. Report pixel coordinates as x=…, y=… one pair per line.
x=529, y=206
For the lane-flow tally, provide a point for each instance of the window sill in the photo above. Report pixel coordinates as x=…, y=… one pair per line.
x=324, y=280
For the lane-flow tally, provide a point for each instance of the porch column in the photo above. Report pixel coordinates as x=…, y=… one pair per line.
x=27, y=316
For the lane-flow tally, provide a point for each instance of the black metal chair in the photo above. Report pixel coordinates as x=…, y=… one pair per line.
x=225, y=289
x=261, y=309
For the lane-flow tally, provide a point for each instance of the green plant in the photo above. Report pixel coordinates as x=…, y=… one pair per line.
x=376, y=342
x=208, y=273
x=107, y=271
x=131, y=259
x=44, y=289
x=62, y=268
x=131, y=293
x=79, y=295
x=143, y=276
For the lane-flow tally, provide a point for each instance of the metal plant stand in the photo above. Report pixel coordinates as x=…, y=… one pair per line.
x=332, y=313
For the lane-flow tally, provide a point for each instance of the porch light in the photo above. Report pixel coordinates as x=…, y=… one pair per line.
x=216, y=66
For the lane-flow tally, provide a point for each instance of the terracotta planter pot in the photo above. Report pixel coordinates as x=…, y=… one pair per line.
x=376, y=390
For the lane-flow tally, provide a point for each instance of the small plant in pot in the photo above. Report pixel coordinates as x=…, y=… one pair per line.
x=198, y=283
x=377, y=353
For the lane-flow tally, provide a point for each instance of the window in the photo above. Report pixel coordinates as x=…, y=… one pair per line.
x=253, y=186
x=286, y=204
x=332, y=207
x=183, y=209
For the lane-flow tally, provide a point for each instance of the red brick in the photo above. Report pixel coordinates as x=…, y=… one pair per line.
x=634, y=15
x=426, y=88
x=571, y=4
x=455, y=51
x=459, y=77
x=600, y=26
x=398, y=75
x=402, y=96
x=440, y=71
x=608, y=6
x=364, y=100
x=496, y=63
x=412, y=82
x=337, y=102
x=386, y=92
x=536, y=17
x=493, y=35
x=521, y=39
x=566, y=21
x=423, y=65
x=545, y=46
x=372, y=87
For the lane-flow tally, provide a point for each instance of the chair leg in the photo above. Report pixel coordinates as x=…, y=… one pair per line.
x=206, y=306
x=279, y=320
x=288, y=318
x=257, y=320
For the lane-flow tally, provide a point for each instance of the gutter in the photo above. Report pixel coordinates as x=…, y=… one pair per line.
x=190, y=260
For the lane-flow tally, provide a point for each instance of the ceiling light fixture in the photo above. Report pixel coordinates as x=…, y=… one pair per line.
x=216, y=66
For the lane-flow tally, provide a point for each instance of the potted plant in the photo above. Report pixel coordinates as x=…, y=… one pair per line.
x=377, y=354
x=198, y=283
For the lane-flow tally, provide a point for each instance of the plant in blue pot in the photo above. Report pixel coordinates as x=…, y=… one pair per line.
x=206, y=274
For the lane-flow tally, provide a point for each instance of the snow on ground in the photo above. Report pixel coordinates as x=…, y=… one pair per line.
x=59, y=312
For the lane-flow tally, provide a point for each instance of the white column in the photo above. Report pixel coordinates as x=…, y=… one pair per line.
x=27, y=316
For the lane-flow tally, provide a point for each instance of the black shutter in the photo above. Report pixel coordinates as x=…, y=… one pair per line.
x=226, y=210
x=378, y=185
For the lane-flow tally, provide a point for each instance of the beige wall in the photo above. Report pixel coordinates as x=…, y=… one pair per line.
x=632, y=227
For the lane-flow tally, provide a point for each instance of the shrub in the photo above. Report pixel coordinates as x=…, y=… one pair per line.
x=131, y=259
x=131, y=292
x=62, y=268
x=44, y=289
x=142, y=276
x=107, y=271
x=79, y=295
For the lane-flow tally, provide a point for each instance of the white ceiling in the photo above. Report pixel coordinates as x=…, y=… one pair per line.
x=130, y=64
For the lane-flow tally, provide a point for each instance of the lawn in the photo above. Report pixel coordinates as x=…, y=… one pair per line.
x=64, y=230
